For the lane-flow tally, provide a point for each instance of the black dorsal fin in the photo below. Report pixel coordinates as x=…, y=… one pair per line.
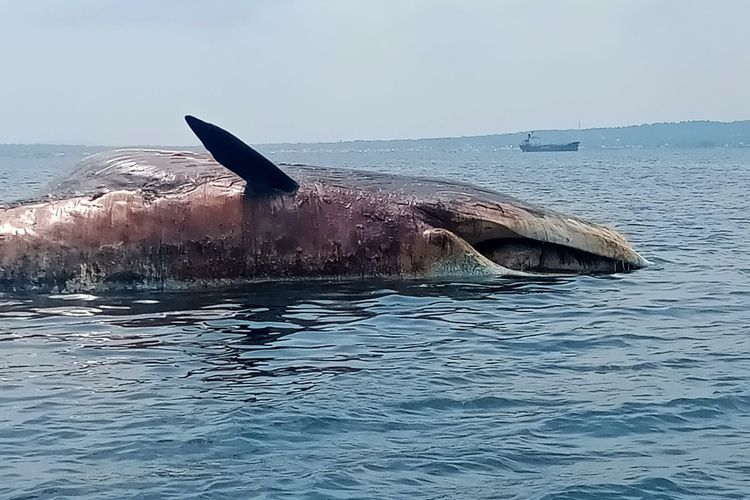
x=262, y=176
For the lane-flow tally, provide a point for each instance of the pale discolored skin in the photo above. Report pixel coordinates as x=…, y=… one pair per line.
x=160, y=218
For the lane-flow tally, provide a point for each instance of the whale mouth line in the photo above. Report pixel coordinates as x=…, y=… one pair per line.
x=534, y=256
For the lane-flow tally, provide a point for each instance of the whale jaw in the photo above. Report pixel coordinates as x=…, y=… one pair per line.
x=522, y=238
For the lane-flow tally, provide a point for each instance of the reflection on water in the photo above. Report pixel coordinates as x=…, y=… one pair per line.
x=247, y=331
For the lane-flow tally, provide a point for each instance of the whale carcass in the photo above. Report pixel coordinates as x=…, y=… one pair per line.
x=155, y=219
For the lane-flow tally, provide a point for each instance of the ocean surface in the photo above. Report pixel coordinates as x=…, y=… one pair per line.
x=628, y=386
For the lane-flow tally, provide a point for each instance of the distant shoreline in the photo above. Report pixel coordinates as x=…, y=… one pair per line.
x=687, y=134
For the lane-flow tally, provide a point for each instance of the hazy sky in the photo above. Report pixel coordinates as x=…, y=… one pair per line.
x=125, y=72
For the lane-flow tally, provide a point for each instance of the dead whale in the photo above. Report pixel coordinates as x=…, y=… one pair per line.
x=155, y=219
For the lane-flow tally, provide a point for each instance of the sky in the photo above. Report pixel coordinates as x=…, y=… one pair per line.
x=116, y=72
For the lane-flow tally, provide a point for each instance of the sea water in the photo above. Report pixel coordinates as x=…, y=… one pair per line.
x=628, y=386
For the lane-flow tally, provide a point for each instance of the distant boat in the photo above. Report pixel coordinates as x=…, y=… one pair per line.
x=527, y=146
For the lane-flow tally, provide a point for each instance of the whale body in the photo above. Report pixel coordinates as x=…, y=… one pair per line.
x=155, y=219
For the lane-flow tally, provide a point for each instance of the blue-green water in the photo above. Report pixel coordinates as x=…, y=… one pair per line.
x=631, y=386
